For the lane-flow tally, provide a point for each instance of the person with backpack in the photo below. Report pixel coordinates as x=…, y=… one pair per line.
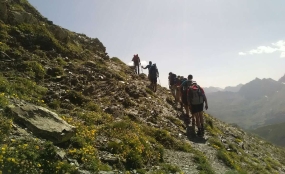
x=148, y=67
x=178, y=91
x=186, y=83
x=197, y=97
x=153, y=73
x=137, y=62
x=171, y=83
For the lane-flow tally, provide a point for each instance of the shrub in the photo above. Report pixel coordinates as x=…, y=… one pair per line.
x=132, y=144
x=76, y=98
x=91, y=106
x=36, y=68
x=203, y=165
x=5, y=127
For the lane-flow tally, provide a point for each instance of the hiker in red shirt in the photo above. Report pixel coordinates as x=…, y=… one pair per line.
x=137, y=63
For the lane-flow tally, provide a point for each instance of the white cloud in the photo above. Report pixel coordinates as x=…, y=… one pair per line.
x=144, y=63
x=241, y=53
x=276, y=47
x=263, y=49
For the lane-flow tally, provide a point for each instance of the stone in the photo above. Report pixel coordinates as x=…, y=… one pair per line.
x=23, y=17
x=59, y=32
x=3, y=10
x=42, y=122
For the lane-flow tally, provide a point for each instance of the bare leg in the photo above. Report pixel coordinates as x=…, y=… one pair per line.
x=197, y=119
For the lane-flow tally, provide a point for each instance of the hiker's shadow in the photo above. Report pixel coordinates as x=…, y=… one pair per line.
x=191, y=135
x=190, y=130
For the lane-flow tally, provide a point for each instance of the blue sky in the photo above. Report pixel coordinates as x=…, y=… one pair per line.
x=220, y=42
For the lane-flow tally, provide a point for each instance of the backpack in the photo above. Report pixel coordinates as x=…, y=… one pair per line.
x=196, y=95
x=136, y=58
x=153, y=70
x=172, y=79
x=185, y=86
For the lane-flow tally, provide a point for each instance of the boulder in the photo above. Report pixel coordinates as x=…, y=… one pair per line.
x=23, y=17
x=59, y=32
x=42, y=122
x=3, y=10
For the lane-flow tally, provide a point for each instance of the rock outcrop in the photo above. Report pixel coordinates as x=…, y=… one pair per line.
x=3, y=10
x=42, y=122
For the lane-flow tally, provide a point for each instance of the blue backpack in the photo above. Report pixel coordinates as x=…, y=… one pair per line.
x=153, y=70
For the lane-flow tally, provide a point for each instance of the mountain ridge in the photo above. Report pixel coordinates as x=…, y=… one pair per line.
x=122, y=126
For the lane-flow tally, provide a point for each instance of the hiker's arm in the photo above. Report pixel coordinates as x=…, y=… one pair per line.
x=206, y=102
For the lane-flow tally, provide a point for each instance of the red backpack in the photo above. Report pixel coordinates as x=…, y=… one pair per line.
x=136, y=58
x=196, y=95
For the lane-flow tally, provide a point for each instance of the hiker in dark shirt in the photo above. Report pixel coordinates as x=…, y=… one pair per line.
x=153, y=74
x=148, y=67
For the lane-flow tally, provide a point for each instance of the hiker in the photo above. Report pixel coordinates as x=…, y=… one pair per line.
x=186, y=83
x=148, y=67
x=171, y=83
x=137, y=62
x=196, y=97
x=153, y=73
x=178, y=91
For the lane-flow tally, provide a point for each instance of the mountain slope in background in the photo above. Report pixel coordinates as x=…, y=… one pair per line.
x=273, y=133
x=121, y=125
x=212, y=89
x=282, y=79
x=233, y=88
x=257, y=103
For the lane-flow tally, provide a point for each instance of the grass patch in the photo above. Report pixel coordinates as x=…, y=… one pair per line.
x=216, y=143
x=132, y=144
x=203, y=165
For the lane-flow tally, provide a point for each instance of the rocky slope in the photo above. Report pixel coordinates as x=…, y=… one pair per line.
x=66, y=107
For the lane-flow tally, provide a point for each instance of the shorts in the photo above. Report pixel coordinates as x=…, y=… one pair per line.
x=153, y=79
x=197, y=108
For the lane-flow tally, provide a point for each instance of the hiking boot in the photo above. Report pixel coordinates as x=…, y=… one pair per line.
x=200, y=133
x=202, y=130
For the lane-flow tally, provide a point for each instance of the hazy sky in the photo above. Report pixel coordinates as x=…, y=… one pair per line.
x=221, y=42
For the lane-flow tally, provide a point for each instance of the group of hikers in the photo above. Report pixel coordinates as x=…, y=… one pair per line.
x=191, y=97
x=186, y=92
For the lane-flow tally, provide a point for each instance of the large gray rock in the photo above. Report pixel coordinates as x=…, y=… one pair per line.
x=3, y=10
x=23, y=17
x=42, y=122
x=59, y=32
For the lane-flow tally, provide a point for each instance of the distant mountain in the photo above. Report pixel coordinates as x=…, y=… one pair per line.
x=274, y=133
x=258, y=103
x=282, y=79
x=233, y=88
x=258, y=88
x=212, y=89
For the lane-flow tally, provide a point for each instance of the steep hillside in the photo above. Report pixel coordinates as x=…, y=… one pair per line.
x=272, y=133
x=66, y=107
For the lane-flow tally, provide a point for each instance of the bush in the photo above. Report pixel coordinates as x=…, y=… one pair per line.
x=5, y=128
x=132, y=144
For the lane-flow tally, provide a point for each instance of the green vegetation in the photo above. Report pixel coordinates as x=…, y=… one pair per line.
x=203, y=165
x=44, y=51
